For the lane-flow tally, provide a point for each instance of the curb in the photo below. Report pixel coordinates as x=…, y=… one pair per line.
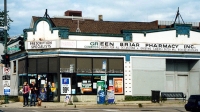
x=94, y=105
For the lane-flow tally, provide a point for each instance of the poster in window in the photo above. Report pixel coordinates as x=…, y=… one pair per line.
x=32, y=80
x=43, y=94
x=86, y=87
x=94, y=85
x=104, y=65
x=110, y=82
x=118, y=85
x=65, y=85
x=53, y=88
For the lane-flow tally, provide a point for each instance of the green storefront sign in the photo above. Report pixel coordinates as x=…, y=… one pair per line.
x=13, y=48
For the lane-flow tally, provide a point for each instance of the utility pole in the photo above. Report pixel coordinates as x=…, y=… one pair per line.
x=5, y=29
x=6, y=77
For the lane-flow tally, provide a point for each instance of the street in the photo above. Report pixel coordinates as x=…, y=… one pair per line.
x=153, y=109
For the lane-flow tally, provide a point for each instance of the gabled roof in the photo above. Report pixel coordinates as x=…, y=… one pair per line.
x=103, y=27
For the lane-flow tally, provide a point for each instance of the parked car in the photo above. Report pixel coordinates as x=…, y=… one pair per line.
x=193, y=103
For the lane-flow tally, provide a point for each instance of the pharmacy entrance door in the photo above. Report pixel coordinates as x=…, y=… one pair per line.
x=47, y=87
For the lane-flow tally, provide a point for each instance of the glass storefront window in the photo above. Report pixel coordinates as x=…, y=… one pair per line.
x=97, y=65
x=83, y=73
x=48, y=86
x=115, y=65
x=67, y=65
x=42, y=65
x=22, y=68
x=32, y=65
x=84, y=84
x=84, y=65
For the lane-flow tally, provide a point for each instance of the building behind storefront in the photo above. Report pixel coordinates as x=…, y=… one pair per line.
x=65, y=55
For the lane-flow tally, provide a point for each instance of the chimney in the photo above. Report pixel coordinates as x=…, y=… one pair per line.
x=100, y=17
x=199, y=25
x=73, y=13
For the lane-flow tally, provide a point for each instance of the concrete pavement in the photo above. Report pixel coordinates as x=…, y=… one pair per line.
x=122, y=104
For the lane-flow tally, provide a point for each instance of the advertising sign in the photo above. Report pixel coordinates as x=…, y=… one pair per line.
x=100, y=85
x=65, y=85
x=118, y=85
x=110, y=86
x=43, y=94
x=139, y=46
x=86, y=87
x=41, y=44
x=150, y=46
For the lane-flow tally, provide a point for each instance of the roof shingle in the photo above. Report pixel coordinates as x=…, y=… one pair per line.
x=102, y=27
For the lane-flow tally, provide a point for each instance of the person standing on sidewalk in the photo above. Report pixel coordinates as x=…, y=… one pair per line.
x=33, y=94
x=25, y=94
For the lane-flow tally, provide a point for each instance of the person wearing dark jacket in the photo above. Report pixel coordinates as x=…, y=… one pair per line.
x=33, y=93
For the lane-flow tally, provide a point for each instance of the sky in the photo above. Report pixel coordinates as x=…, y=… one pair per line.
x=21, y=11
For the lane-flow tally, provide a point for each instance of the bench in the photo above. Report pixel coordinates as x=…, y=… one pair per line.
x=165, y=95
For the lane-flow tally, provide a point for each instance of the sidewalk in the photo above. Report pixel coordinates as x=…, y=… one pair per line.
x=125, y=104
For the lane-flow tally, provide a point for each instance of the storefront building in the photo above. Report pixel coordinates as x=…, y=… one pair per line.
x=133, y=62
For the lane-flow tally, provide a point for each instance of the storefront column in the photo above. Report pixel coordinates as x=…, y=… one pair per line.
x=58, y=77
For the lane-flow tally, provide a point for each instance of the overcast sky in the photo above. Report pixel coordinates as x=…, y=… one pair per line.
x=21, y=11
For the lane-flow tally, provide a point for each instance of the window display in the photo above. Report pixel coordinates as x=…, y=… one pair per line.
x=82, y=80
x=118, y=85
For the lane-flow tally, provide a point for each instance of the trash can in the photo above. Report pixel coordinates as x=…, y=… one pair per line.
x=155, y=96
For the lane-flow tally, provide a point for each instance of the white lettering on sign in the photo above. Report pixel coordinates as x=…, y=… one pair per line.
x=42, y=45
x=13, y=48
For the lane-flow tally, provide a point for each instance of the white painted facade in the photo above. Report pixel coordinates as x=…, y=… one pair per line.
x=146, y=70
x=167, y=37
